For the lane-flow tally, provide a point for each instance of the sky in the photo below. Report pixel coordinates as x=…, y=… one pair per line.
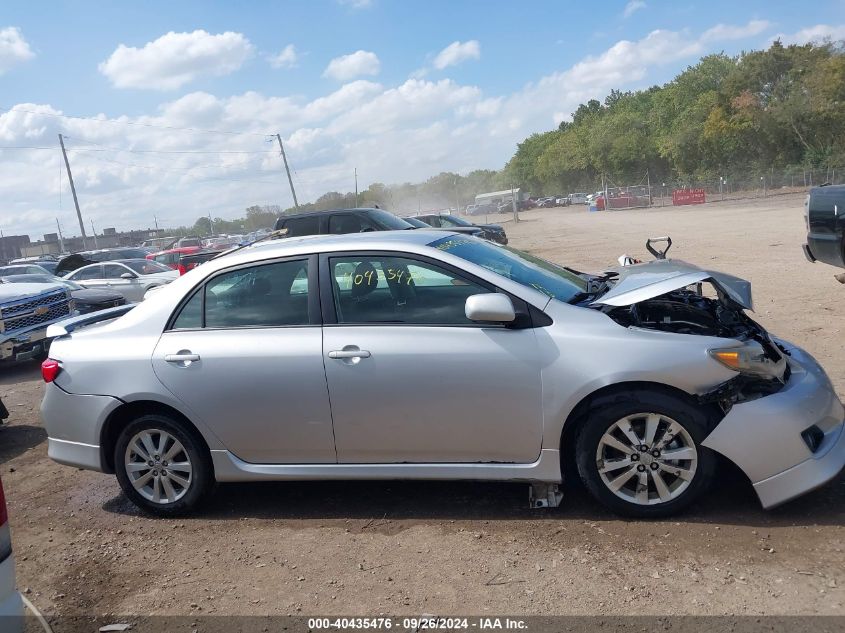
x=170, y=109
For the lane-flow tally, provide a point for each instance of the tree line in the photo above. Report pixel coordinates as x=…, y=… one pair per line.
x=779, y=108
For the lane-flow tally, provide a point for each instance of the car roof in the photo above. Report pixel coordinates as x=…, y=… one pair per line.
x=371, y=240
x=326, y=212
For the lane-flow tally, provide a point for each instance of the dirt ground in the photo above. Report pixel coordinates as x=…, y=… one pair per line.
x=459, y=548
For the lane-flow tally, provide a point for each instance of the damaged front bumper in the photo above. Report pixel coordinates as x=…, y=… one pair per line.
x=764, y=436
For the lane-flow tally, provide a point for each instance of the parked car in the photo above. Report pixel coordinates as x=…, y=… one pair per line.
x=25, y=312
x=493, y=232
x=577, y=198
x=483, y=209
x=562, y=202
x=132, y=278
x=189, y=242
x=192, y=260
x=83, y=258
x=546, y=203
x=85, y=299
x=47, y=263
x=171, y=256
x=255, y=366
x=824, y=214
x=339, y=222
x=11, y=605
x=23, y=269
x=467, y=230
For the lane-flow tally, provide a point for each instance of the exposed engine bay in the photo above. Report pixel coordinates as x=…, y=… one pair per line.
x=669, y=296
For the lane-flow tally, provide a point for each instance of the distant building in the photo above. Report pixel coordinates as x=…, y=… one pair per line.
x=110, y=238
x=494, y=197
x=11, y=246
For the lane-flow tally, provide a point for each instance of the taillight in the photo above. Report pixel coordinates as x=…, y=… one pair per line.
x=50, y=369
x=5, y=534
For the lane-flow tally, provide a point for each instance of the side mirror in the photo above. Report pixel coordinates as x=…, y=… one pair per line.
x=128, y=276
x=492, y=307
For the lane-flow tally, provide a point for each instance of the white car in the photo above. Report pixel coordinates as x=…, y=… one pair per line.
x=130, y=277
x=11, y=606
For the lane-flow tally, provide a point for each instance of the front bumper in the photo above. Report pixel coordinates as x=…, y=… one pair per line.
x=25, y=345
x=763, y=436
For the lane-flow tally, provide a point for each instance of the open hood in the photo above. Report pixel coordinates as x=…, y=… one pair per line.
x=641, y=282
x=70, y=263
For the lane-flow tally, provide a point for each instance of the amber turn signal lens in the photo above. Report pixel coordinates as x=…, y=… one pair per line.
x=730, y=359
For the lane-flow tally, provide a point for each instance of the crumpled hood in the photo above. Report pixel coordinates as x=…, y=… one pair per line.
x=641, y=282
x=10, y=292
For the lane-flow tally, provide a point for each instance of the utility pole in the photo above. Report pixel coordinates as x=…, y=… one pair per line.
x=73, y=191
x=457, y=204
x=513, y=204
x=210, y=226
x=287, y=169
x=94, y=233
x=155, y=219
x=61, y=238
x=356, y=187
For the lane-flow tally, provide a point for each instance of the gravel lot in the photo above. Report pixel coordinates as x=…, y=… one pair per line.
x=470, y=548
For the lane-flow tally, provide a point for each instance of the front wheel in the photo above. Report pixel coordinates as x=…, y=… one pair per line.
x=161, y=466
x=640, y=453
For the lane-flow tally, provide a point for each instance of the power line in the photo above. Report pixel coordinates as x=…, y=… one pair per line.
x=134, y=123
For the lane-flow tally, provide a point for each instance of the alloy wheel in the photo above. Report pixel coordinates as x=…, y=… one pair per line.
x=158, y=466
x=646, y=458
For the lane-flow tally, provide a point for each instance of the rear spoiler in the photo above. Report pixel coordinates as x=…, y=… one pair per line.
x=63, y=328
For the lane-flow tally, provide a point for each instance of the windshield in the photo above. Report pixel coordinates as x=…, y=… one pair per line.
x=146, y=266
x=550, y=279
x=451, y=220
x=388, y=221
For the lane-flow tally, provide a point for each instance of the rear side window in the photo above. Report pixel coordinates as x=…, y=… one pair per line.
x=93, y=272
x=309, y=225
x=270, y=295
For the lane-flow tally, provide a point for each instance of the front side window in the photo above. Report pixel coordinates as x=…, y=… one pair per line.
x=113, y=271
x=269, y=295
x=145, y=266
x=384, y=289
x=344, y=223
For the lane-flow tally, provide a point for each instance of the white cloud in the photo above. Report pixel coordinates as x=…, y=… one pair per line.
x=456, y=53
x=175, y=59
x=632, y=7
x=722, y=32
x=391, y=133
x=817, y=33
x=287, y=58
x=14, y=49
x=353, y=65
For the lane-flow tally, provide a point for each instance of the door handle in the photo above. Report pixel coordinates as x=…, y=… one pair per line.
x=183, y=358
x=349, y=353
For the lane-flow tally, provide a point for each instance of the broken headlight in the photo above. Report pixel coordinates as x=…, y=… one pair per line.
x=751, y=359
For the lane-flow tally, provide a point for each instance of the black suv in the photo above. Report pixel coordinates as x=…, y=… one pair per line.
x=492, y=232
x=824, y=211
x=339, y=222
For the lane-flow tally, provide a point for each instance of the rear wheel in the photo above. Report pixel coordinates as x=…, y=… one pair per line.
x=162, y=467
x=640, y=453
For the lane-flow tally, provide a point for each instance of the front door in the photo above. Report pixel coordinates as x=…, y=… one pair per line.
x=245, y=356
x=132, y=289
x=411, y=379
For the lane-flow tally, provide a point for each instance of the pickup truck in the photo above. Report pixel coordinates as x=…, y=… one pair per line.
x=25, y=312
x=824, y=213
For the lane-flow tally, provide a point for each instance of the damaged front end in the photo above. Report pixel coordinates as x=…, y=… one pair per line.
x=677, y=297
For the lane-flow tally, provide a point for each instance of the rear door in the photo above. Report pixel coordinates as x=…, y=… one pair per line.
x=89, y=276
x=244, y=354
x=411, y=379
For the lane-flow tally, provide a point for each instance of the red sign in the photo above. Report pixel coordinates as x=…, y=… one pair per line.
x=688, y=196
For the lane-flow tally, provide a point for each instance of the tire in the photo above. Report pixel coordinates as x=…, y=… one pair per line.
x=180, y=477
x=678, y=426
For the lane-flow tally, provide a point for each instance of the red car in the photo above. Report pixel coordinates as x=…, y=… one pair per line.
x=171, y=256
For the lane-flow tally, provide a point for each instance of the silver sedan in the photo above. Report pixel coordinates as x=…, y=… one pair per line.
x=130, y=277
x=419, y=355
